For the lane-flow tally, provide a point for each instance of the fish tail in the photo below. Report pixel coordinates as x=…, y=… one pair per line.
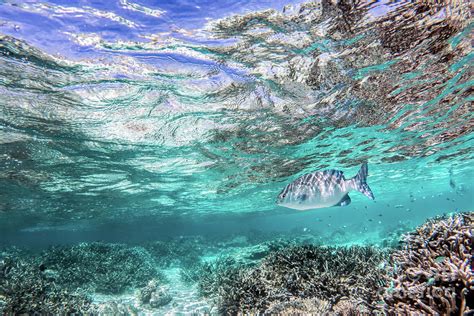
x=360, y=182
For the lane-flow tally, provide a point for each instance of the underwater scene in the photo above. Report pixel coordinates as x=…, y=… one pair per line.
x=236, y=157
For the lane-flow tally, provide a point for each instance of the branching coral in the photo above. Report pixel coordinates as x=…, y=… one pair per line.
x=182, y=251
x=297, y=272
x=100, y=267
x=219, y=276
x=24, y=289
x=297, y=306
x=433, y=272
x=57, y=280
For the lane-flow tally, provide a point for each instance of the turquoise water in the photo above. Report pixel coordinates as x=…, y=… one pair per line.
x=134, y=121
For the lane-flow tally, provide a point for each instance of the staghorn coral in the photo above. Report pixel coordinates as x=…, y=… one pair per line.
x=219, y=276
x=100, y=267
x=433, y=272
x=181, y=251
x=293, y=273
x=61, y=279
x=430, y=274
x=299, y=307
x=24, y=289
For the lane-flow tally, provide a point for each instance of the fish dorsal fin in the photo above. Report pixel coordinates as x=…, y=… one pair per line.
x=346, y=200
x=333, y=173
x=311, y=178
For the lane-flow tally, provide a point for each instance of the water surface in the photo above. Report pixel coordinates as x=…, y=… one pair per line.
x=131, y=120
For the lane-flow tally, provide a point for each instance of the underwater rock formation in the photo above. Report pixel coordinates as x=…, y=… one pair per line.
x=154, y=295
x=433, y=272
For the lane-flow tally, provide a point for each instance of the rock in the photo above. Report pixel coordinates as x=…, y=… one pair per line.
x=154, y=295
x=159, y=298
x=144, y=295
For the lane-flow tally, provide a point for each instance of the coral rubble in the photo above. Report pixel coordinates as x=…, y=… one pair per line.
x=433, y=273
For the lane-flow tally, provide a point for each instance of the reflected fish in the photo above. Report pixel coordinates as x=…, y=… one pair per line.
x=324, y=189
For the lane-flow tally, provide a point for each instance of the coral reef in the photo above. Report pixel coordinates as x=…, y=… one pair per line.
x=430, y=272
x=294, y=273
x=25, y=289
x=299, y=307
x=62, y=279
x=244, y=252
x=184, y=250
x=433, y=273
x=218, y=277
x=100, y=267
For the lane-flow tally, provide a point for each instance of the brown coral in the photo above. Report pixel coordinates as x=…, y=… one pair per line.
x=433, y=272
x=298, y=306
x=298, y=279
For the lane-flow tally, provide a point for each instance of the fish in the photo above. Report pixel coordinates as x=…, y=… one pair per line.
x=452, y=184
x=322, y=189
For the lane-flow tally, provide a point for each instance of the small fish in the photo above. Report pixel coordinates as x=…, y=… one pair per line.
x=452, y=184
x=323, y=189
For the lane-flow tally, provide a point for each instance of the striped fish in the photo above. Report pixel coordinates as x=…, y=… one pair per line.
x=324, y=189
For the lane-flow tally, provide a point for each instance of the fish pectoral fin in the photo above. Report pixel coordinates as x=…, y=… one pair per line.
x=346, y=200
